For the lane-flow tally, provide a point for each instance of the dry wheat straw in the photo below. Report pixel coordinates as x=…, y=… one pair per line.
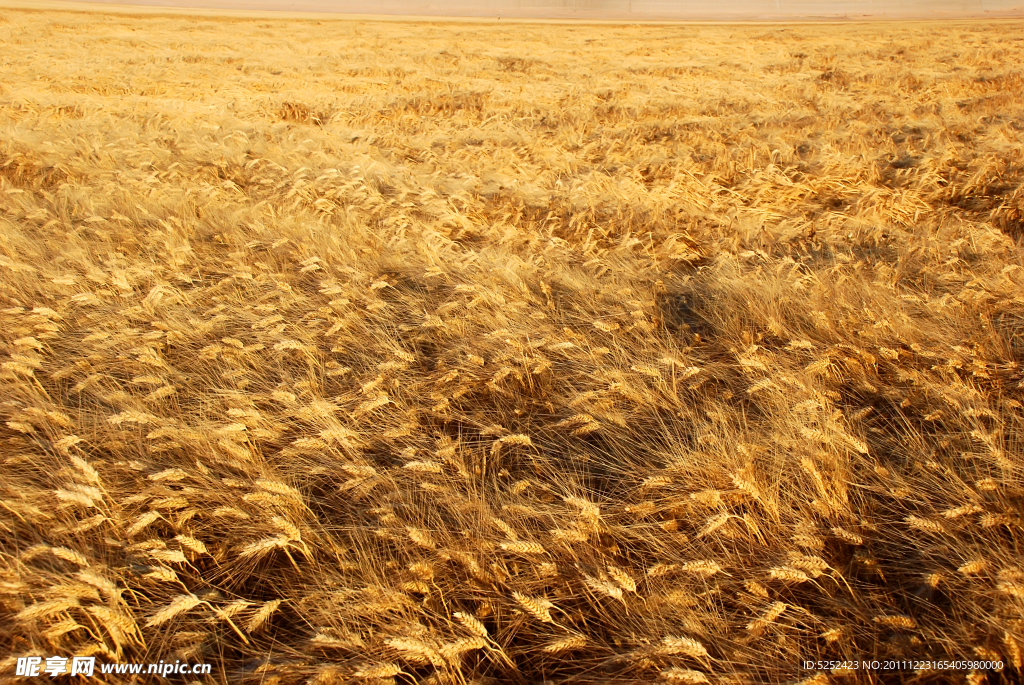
x=360, y=317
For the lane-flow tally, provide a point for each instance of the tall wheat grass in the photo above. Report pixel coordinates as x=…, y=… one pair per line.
x=354, y=352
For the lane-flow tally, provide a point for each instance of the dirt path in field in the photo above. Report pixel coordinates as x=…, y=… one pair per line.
x=563, y=10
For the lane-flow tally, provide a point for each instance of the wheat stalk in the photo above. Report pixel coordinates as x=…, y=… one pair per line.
x=523, y=547
x=683, y=645
x=471, y=623
x=684, y=675
x=538, y=607
x=378, y=671
x=974, y=566
x=262, y=615
x=623, y=579
x=567, y=644
x=453, y=651
x=702, y=567
x=416, y=651
x=69, y=555
x=787, y=574
x=603, y=587
x=179, y=605
x=46, y=609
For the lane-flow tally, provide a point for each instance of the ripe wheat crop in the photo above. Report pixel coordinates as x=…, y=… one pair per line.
x=482, y=353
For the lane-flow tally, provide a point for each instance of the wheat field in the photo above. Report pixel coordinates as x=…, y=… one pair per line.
x=342, y=351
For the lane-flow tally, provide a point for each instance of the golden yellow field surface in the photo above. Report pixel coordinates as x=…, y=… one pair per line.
x=337, y=351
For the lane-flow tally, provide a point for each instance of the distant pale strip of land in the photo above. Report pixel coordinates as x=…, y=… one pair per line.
x=559, y=10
